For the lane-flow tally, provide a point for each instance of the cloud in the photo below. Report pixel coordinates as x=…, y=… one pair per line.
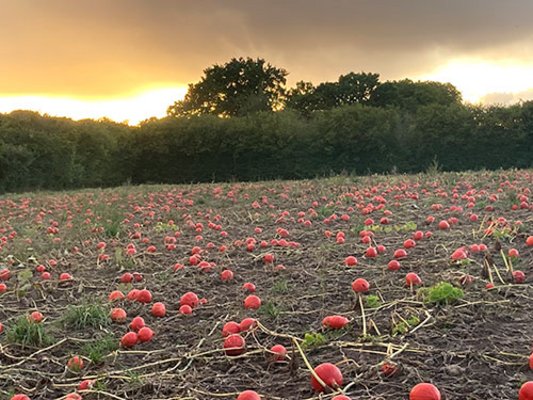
x=102, y=47
x=506, y=99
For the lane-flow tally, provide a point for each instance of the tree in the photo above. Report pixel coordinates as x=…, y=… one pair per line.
x=237, y=88
x=353, y=88
x=410, y=95
x=301, y=98
x=356, y=88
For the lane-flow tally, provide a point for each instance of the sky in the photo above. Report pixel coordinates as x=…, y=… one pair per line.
x=130, y=59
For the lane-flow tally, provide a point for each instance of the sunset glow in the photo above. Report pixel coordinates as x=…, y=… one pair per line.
x=132, y=109
x=479, y=78
x=133, y=58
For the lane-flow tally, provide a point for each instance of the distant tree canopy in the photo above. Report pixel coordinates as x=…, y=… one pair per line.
x=245, y=86
x=239, y=87
x=365, y=88
x=42, y=152
x=353, y=88
x=410, y=95
x=356, y=124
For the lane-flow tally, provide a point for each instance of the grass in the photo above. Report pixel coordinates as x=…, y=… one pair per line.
x=134, y=378
x=98, y=349
x=86, y=316
x=434, y=168
x=163, y=277
x=443, y=293
x=24, y=280
x=100, y=386
x=112, y=224
x=112, y=228
x=28, y=333
x=325, y=211
x=280, y=286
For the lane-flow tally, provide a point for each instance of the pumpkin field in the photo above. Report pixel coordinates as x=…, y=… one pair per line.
x=380, y=287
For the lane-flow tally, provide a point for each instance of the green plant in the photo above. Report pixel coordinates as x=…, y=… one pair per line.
x=512, y=198
x=504, y=233
x=112, y=226
x=407, y=227
x=325, y=211
x=163, y=277
x=7, y=394
x=164, y=227
x=465, y=262
x=313, y=339
x=99, y=386
x=28, y=333
x=327, y=247
x=134, y=377
x=270, y=309
x=24, y=280
x=405, y=325
x=98, y=349
x=86, y=315
x=280, y=286
x=434, y=168
x=119, y=256
x=356, y=228
x=400, y=328
x=372, y=301
x=112, y=229
x=442, y=293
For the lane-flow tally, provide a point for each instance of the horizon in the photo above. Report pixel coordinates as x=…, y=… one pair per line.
x=130, y=60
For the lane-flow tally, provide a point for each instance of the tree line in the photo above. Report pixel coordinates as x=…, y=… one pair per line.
x=240, y=122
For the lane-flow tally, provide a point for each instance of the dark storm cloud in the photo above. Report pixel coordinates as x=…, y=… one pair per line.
x=110, y=46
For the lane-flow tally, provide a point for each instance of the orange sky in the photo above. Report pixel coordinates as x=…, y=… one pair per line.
x=130, y=59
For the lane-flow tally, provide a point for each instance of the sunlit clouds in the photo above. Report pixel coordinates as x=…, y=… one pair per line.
x=487, y=81
x=96, y=58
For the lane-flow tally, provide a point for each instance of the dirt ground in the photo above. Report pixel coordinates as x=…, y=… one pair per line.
x=475, y=348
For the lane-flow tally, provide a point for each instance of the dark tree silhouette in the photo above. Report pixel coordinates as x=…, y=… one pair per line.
x=237, y=88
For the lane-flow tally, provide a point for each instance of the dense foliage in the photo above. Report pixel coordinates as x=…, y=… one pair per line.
x=239, y=122
x=54, y=153
x=40, y=152
x=239, y=87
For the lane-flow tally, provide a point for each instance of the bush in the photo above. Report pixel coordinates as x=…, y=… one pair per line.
x=42, y=152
